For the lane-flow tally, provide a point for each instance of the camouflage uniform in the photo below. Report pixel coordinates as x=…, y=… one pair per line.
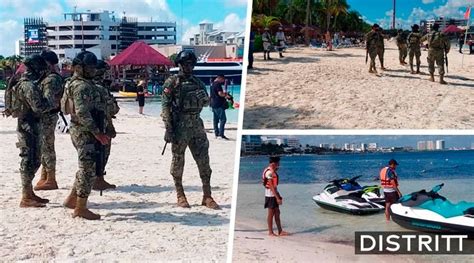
x=414, y=42
x=438, y=44
x=111, y=109
x=375, y=47
x=402, y=47
x=33, y=106
x=191, y=96
x=52, y=88
x=86, y=100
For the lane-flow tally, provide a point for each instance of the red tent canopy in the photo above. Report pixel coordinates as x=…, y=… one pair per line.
x=140, y=54
x=452, y=29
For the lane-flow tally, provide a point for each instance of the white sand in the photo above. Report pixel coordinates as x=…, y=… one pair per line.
x=311, y=88
x=140, y=220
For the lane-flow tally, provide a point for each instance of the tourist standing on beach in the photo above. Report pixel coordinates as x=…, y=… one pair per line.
x=267, y=43
x=141, y=96
x=52, y=89
x=461, y=42
x=83, y=101
x=438, y=46
x=414, y=43
x=183, y=98
x=375, y=47
x=402, y=47
x=281, y=40
x=219, y=105
x=389, y=182
x=273, y=199
x=111, y=109
x=28, y=105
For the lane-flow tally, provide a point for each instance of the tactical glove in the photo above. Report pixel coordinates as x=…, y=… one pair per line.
x=169, y=136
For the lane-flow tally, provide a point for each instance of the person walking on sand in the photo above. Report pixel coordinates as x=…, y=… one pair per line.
x=141, y=96
x=273, y=198
x=281, y=40
x=219, y=105
x=389, y=182
x=267, y=43
x=402, y=47
x=438, y=46
x=375, y=47
x=414, y=42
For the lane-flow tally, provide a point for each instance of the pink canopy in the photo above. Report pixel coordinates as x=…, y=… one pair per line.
x=140, y=54
x=452, y=29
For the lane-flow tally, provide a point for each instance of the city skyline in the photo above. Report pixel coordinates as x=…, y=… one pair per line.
x=408, y=12
x=451, y=141
x=225, y=14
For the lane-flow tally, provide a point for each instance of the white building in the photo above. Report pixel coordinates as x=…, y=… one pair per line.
x=293, y=142
x=347, y=146
x=20, y=47
x=104, y=34
x=440, y=144
x=251, y=143
x=372, y=146
x=430, y=145
x=324, y=145
x=421, y=146
x=272, y=140
x=443, y=22
x=363, y=147
x=208, y=35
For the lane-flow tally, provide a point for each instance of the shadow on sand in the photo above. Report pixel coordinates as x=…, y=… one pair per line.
x=274, y=117
x=185, y=218
x=151, y=189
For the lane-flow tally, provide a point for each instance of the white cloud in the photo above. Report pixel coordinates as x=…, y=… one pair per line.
x=452, y=8
x=8, y=37
x=236, y=2
x=427, y=1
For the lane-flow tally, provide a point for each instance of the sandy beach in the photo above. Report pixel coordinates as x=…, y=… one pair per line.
x=140, y=221
x=316, y=89
x=319, y=235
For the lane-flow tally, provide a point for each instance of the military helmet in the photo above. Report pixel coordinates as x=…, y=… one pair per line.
x=102, y=65
x=36, y=63
x=375, y=26
x=185, y=55
x=49, y=56
x=435, y=26
x=85, y=58
x=415, y=26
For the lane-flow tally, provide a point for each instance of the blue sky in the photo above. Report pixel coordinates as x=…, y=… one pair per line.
x=389, y=140
x=408, y=11
x=226, y=14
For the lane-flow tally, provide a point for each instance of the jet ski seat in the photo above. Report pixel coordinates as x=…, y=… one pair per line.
x=447, y=209
x=469, y=212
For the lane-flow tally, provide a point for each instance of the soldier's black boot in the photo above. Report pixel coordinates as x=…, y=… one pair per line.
x=441, y=80
x=411, y=69
x=417, y=68
x=264, y=55
x=268, y=56
x=281, y=55
x=207, y=199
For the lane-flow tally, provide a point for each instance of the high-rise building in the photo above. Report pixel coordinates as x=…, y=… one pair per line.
x=35, y=36
x=20, y=47
x=430, y=145
x=421, y=146
x=372, y=146
x=293, y=142
x=104, y=34
x=363, y=147
x=324, y=145
x=251, y=144
x=347, y=146
x=425, y=25
x=440, y=145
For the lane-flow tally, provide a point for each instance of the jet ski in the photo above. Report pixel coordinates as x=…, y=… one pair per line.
x=347, y=196
x=431, y=212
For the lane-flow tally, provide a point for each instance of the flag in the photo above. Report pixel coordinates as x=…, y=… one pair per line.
x=468, y=13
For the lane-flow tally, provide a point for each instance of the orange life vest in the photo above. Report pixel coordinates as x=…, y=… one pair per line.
x=385, y=181
x=265, y=180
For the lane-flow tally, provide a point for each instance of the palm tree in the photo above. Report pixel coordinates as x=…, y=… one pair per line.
x=267, y=7
x=265, y=21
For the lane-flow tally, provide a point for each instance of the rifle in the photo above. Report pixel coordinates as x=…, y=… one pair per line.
x=175, y=110
x=446, y=58
x=99, y=117
x=65, y=122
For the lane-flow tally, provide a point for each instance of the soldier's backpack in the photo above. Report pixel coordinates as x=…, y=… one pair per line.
x=12, y=101
x=67, y=103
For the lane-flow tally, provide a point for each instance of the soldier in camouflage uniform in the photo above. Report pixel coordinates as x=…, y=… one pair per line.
x=30, y=105
x=52, y=88
x=414, y=42
x=402, y=47
x=111, y=110
x=438, y=44
x=82, y=100
x=184, y=96
x=375, y=47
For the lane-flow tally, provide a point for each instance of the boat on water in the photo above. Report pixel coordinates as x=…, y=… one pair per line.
x=206, y=71
x=431, y=212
